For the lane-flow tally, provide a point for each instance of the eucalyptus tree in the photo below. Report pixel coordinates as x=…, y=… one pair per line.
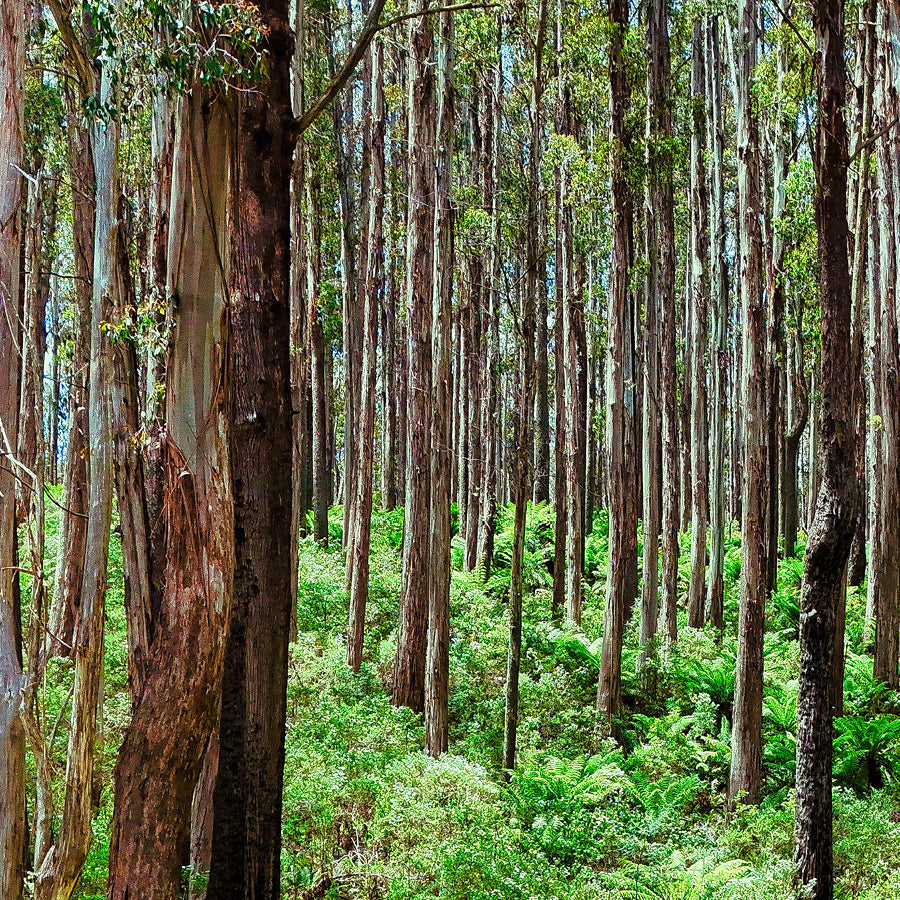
x=828, y=546
x=12, y=733
x=409, y=668
x=746, y=754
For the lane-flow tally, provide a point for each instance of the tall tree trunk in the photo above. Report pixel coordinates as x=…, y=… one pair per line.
x=828, y=546
x=437, y=668
x=661, y=242
x=699, y=288
x=318, y=372
x=12, y=734
x=887, y=571
x=491, y=400
x=746, y=753
x=359, y=539
x=620, y=396
x=161, y=754
x=409, y=670
x=246, y=845
x=522, y=426
x=715, y=597
x=73, y=522
x=560, y=483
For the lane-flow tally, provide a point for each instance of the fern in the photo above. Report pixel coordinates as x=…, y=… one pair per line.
x=866, y=750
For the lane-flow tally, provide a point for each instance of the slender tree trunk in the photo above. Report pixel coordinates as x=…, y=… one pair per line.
x=490, y=407
x=887, y=572
x=560, y=483
x=829, y=541
x=522, y=426
x=715, y=596
x=359, y=539
x=318, y=372
x=12, y=734
x=437, y=668
x=620, y=397
x=699, y=288
x=746, y=753
x=661, y=242
x=409, y=670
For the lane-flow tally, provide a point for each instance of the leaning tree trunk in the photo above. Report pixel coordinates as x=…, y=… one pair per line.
x=746, y=753
x=828, y=546
x=162, y=751
x=409, y=669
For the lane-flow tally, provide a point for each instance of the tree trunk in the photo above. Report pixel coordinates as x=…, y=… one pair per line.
x=319, y=376
x=620, y=397
x=161, y=755
x=887, y=572
x=746, y=753
x=12, y=734
x=437, y=668
x=246, y=846
x=828, y=546
x=73, y=522
x=715, y=596
x=409, y=670
x=359, y=538
x=699, y=287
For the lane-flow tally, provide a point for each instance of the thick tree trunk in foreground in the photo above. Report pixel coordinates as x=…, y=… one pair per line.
x=746, y=753
x=246, y=846
x=12, y=734
x=409, y=669
x=163, y=748
x=828, y=546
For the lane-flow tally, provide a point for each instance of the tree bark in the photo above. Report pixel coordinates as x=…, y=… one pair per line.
x=621, y=584
x=746, y=753
x=437, y=666
x=699, y=289
x=715, y=596
x=409, y=670
x=246, y=846
x=828, y=546
x=887, y=571
x=161, y=754
x=12, y=734
x=359, y=538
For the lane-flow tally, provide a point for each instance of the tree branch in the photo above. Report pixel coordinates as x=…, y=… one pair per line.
x=371, y=27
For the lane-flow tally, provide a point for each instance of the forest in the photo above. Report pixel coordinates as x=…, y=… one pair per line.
x=449, y=449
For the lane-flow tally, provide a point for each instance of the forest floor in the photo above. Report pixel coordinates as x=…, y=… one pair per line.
x=368, y=815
